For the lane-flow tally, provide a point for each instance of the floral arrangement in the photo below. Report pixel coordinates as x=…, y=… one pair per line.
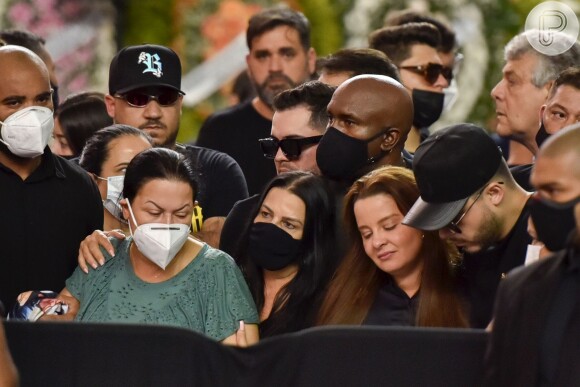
x=79, y=68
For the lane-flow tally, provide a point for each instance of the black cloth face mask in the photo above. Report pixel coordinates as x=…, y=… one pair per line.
x=542, y=135
x=272, y=248
x=553, y=221
x=340, y=156
x=427, y=107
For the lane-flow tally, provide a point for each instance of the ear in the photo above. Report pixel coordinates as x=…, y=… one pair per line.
x=311, y=55
x=110, y=104
x=494, y=193
x=547, y=86
x=390, y=139
x=125, y=209
x=93, y=177
x=542, y=110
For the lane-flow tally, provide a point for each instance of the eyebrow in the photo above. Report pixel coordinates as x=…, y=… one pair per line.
x=380, y=220
x=557, y=106
x=18, y=98
x=121, y=165
x=161, y=208
x=284, y=217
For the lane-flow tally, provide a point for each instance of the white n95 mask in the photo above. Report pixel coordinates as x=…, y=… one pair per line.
x=159, y=242
x=114, y=192
x=26, y=132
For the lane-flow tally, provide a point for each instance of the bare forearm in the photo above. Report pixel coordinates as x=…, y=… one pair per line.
x=8, y=372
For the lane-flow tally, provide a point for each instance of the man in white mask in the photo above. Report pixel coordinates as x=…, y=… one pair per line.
x=48, y=205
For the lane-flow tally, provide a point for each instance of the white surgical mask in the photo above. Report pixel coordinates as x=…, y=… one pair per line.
x=27, y=132
x=532, y=254
x=114, y=191
x=159, y=242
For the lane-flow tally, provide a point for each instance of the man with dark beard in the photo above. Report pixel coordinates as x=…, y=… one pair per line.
x=470, y=196
x=280, y=58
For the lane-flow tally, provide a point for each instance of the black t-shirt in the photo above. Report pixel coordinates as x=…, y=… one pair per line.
x=42, y=223
x=481, y=272
x=220, y=182
x=521, y=174
x=236, y=131
x=392, y=306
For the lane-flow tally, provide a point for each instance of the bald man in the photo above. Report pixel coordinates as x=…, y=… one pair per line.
x=370, y=117
x=537, y=312
x=48, y=205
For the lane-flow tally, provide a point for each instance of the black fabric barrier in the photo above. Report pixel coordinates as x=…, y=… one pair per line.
x=73, y=354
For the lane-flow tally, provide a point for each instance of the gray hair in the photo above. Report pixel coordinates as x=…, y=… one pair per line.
x=548, y=67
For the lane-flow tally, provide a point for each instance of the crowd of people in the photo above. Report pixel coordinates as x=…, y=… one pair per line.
x=324, y=199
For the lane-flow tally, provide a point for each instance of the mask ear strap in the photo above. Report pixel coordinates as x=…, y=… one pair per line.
x=131, y=213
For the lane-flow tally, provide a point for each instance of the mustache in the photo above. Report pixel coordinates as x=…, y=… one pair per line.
x=152, y=123
x=277, y=77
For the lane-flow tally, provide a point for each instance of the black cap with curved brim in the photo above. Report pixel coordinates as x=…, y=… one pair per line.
x=450, y=166
x=432, y=216
x=147, y=65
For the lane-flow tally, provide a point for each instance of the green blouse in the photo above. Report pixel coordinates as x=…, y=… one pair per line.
x=209, y=295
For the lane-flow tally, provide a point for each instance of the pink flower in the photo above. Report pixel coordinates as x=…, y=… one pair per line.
x=21, y=14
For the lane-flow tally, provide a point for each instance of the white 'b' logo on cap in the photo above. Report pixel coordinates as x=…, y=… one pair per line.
x=153, y=63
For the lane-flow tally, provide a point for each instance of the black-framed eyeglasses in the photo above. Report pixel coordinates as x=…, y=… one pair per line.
x=431, y=71
x=453, y=226
x=291, y=147
x=140, y=99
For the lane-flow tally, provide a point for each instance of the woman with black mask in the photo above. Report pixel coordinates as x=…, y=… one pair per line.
x=287, y=252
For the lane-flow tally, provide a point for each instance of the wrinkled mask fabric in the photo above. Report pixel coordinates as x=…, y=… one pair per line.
x=542, y=135
x=272, y=248
x=427, y=107
x=159, y=242
x=553, y=221
x=26, y=132
x=340, y=156
x=114, y=196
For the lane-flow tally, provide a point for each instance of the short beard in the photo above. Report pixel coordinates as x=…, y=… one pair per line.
x=266, y=94
x=490, y=232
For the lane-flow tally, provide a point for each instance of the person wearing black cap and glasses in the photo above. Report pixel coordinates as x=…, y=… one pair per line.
x=145, y=92
x=469, y=194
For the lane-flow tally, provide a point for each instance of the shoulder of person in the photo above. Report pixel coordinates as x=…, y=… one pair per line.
x=209, y=157
x=120, y=246
x=230, y=113
x=217, y=258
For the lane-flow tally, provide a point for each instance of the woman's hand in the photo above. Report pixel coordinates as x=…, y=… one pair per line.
x=244, y=336
x=90, y=252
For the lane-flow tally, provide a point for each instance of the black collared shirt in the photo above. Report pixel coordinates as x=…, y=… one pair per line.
x=393, y=306
x=481, y=272
x=43, y=219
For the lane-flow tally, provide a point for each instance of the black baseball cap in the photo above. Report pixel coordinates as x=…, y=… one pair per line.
x=146, y=65
x=450, y=166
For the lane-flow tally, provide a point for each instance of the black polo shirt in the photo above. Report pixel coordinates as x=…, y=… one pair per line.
x=43, y=219
x=392, y=306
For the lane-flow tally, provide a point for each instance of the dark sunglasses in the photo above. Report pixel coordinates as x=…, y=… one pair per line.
x=141, y=99
x=431, y=72
x=453, y=226
x=291, y=147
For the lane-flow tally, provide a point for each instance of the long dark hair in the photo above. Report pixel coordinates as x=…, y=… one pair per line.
x=81, y=115
x=357, y=280
x=296, y=304
x=96, y=150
